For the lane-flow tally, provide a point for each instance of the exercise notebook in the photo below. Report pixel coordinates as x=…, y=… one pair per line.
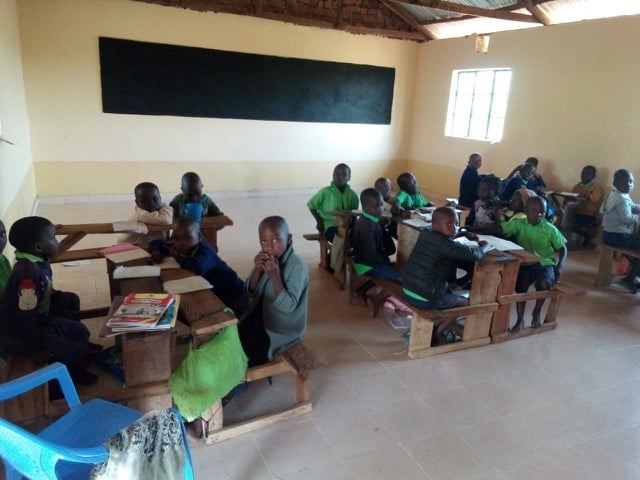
x=124, y=252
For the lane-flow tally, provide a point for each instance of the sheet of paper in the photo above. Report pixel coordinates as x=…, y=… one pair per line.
x=186, y=285
x=414, y=222
x=500, y=243
x=128, y=255
x=129, y=226
x=136, y=272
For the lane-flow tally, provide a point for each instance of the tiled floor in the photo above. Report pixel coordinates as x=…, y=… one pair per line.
x=564, y=404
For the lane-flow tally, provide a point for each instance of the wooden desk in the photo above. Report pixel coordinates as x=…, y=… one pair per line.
x=76, y=232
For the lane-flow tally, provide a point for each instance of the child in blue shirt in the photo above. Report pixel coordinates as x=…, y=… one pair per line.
x=198, y=256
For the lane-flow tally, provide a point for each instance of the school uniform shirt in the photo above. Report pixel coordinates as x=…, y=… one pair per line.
x=371, y=244
x=619, y=213
x=469, y=186
x=593, y=192
x=425, y=274
x=331, y=198
x=209, y=208
x=284, y=315
x=542, y=240
x=411, y=202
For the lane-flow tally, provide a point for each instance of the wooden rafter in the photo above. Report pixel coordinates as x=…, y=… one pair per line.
x=408, y=19
x=475, y=11
x=539, y=15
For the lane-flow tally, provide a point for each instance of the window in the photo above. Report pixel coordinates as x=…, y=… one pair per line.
x=478, y=103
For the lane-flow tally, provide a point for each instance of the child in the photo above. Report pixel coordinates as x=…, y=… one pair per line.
x=278, y=291
x=433, y=257
x=26, y=310
x=383, y=185
x=520, y=179
x=199, y=257
x=409, y=197
x=619, y=220
x=5, y=266
x=539, y=237
x=516, y=206
x=372, y=245
x=149, y=209
x=469, y=181
x=337, y=196
x=590, y=194
x=488, y=208
x=191, y=187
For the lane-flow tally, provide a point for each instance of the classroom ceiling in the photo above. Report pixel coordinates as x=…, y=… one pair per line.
x=417, y=20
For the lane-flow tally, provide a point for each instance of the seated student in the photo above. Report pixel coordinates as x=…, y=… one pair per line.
x=520, y=179
x=383, y=185
x=539, y=237
x=469, y=181
x=620, y=218
x=409, y=197
x=337, y=196
x=199, y=257
x=278, y=289
x=590, y=194
x=27, y=314
x=149, y=209
x=516, y=206
x=5, y=266
x=191, y=187
x=433, y=257
x=488, y=208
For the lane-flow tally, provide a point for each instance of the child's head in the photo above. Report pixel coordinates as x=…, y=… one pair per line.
x=533, y=161
x=445, y=221
x=527, y=170
x=623, y=180
x=536, y=209
x=148, y=196
x=371, y=201
x=3, y=236
x=383, y=185
x=520, y=198
x=186, y=235
x=34, y=235
x=588, y=173
x=274, y=236
x=488, y=187
x=341, y=175
x=191, y=187
x=475, y=160
x=407, y=182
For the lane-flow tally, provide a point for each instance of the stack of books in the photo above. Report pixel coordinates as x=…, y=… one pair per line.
x=143, y=312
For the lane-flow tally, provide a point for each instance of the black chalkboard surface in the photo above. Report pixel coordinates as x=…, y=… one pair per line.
x=156, y=79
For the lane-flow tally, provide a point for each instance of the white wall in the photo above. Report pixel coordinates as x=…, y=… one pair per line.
x=574, y=101
x=70, y=132
x=17, y=187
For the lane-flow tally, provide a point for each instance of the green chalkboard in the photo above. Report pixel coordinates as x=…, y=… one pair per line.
x=156, y=79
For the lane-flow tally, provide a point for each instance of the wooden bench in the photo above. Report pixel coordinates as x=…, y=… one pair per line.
x=500, y=333
x=336, y=276
x=605, y=262
x=297, y=361
x=476, y=328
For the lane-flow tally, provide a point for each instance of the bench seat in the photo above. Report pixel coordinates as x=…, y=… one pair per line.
x=605, y=262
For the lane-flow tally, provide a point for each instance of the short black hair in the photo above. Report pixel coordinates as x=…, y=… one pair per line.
x=370, y=195
x=621, y=174
x=403, y=178
x=341, y=166
x=145, y=186
x=190, y=177
x=537, y=199
x=275, y=222
x=25, y=232
x=589, y=168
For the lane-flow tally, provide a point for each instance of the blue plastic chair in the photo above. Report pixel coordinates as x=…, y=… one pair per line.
x=72, y=445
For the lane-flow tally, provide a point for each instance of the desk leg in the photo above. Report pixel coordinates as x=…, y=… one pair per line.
x=500, y=322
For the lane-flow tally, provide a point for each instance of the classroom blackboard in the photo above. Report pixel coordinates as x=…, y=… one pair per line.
x=155, y=79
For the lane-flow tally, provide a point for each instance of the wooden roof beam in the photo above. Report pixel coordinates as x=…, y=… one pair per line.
x=536, y=11
x=408, y=19
x=475, y=11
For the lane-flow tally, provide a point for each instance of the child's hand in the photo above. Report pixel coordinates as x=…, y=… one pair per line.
x=258, y=260
x=405, y=213
x=430, y=204
x=174, y=252
x=156, y=256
